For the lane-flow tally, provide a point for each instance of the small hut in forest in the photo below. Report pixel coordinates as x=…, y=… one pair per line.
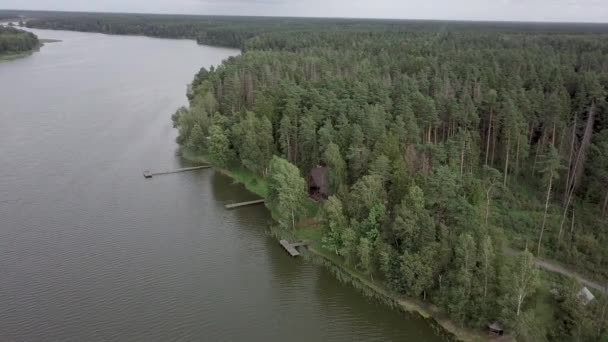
x=586, y=296
x=318, y=183
x=496, y=329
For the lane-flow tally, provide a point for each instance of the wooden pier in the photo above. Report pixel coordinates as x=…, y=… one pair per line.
x=291, y=247
x=150, y=174
x=243, y=204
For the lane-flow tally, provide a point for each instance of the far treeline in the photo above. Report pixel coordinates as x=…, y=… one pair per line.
x=448, y=145
x=15, y=41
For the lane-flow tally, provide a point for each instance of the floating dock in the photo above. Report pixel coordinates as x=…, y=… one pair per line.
x=243, y=204
x=150, y=174
x=291, y=247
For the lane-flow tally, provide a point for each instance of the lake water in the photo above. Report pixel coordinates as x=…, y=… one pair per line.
x=92, y=251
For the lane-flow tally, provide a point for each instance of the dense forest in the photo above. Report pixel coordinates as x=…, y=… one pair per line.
x=456, y=151
x=443, y=150
x=15, y=41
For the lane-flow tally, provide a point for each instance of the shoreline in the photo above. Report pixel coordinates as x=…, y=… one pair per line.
x=13, y=56
x=429, y=312
x=23, y=54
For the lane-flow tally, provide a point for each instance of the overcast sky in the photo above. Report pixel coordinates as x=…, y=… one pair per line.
x=517, y=10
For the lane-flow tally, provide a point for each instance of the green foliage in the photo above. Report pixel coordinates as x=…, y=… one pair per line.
x=520, y=282
x=219, y=146
x=381, y=167
x=335, y=223
x=252, y=136
x=435, y=152
x=337, y=167
x=365, y=194
x=197, y=139
x=286, y=191
x=418, y=270
x=15, y=41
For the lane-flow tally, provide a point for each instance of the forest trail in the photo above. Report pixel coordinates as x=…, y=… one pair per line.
x=553, y=267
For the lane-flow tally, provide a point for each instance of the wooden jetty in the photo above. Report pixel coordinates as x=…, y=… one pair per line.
x=291, y=247
x=150, y=174
x=243, y=204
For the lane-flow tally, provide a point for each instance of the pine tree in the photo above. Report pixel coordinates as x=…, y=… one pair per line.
x=552, y=164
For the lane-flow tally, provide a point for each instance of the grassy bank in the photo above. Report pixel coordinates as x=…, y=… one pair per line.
x=251, y=181
x=348, y=274
x=309, y=230
x=13, y=56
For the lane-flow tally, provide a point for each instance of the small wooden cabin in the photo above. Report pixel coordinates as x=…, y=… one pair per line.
x=496, y=329
x=318, y=183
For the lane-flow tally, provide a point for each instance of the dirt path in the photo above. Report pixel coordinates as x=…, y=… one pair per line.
x=552, y=267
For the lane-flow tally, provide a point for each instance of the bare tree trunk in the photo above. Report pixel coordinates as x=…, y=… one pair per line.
x=507, y=162
x=542, y=228
x=559, y=235
x=296, y=138
x=517, y=156
x=488, y=135
x=493, y=143
x=488, y=204
x=520, y=300
x=585, y=142
x=571, y=187
x=571, y=155
x=572, y=226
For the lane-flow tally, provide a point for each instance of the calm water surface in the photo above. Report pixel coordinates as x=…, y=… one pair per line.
x=91, y=251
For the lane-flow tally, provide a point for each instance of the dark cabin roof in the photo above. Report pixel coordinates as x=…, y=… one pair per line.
x=495, y=327
x=318, y=179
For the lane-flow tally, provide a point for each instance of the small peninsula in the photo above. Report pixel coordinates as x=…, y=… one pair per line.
x=15, y=43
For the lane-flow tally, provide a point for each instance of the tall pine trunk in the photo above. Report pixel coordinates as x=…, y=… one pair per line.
x=542, y=228
x=488, y=204
x=517, y=156
x=571, y=155
x=580, y=156
x=488, y=135
x=507, y=161
x=493, y=143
